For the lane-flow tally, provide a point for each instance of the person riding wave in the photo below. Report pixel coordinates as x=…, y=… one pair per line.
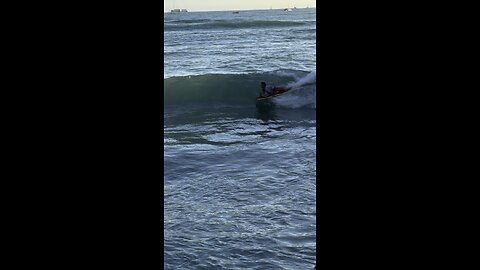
x=268, y=90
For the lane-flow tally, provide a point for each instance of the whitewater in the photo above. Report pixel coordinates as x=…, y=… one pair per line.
x=239, y=175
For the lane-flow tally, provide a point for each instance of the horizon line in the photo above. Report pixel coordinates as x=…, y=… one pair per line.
x=169, y=11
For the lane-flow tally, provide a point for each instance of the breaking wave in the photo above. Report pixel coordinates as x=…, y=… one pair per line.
x=240, y=89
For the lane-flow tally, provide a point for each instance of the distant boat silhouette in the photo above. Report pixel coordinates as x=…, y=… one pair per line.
x=177, y=10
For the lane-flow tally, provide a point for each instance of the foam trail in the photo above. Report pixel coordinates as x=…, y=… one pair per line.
x=304, y=94
x=300, y=98
x=311, y=78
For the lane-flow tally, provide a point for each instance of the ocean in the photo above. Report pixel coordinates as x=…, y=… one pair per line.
x=239, y=174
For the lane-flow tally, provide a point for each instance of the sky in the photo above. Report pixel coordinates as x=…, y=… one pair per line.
x=208, y=5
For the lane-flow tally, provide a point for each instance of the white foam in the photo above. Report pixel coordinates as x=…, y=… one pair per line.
x=303, y=93
x=300, y=98
x=311, y=78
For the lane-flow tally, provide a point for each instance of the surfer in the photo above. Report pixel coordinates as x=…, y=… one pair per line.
x=268, y=90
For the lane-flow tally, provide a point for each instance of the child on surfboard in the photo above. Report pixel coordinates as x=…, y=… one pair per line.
x=268, y=90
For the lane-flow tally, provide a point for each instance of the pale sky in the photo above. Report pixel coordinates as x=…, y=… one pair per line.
x=207, y=5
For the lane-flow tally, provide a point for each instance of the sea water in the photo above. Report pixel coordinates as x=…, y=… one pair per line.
x=239, y=175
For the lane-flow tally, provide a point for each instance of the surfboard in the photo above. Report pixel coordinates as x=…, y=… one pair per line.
x=271, y=96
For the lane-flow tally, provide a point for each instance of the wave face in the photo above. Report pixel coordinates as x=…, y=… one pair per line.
x=215, y=90
x=230, y=24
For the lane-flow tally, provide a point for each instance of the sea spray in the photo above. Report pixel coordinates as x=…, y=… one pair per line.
x=311, y=78
x=302, y=94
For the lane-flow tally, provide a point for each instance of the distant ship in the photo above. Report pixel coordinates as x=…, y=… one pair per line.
x=177, y=10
